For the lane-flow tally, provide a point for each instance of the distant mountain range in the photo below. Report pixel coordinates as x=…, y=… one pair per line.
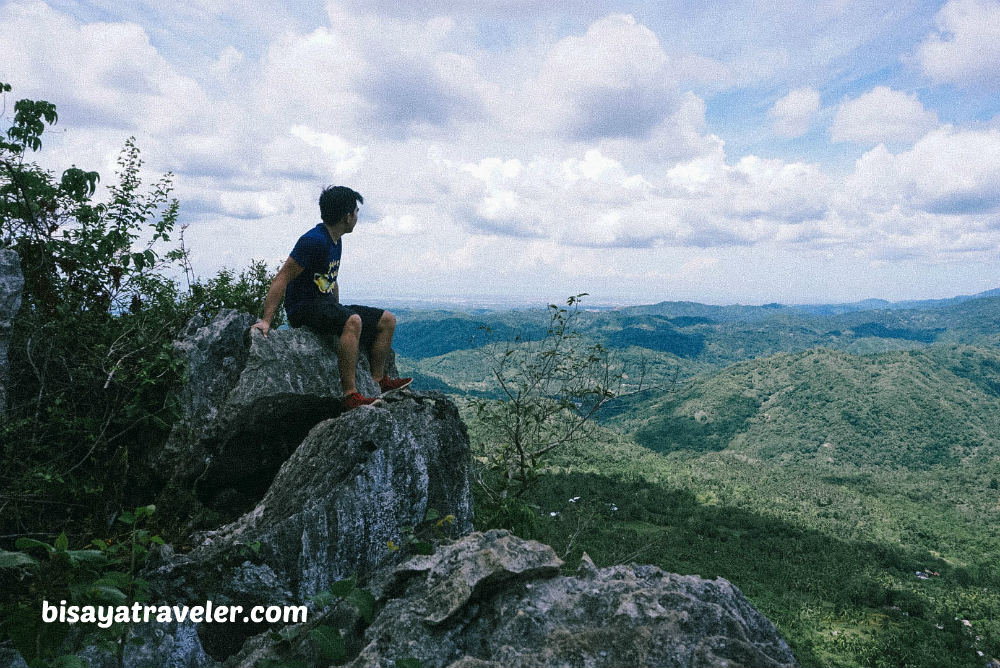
x=739, y=313
x=721, y=335
x=890, y=386
x=823, y=458
x=882, y=304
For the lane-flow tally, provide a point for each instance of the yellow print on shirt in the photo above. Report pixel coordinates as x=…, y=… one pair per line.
x=328, y=281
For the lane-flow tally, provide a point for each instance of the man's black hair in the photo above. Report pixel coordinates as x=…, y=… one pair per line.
x=337, y=201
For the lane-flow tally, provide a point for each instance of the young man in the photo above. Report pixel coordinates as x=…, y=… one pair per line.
x=308, y=281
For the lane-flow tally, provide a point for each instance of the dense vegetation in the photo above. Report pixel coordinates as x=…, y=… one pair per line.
x=91, y=363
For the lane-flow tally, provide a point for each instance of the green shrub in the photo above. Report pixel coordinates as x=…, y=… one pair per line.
x=92, y=367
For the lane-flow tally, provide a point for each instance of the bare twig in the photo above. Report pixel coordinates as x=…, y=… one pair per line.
x=583, y=524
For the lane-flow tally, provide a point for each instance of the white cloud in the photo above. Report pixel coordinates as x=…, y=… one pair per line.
x=404, y=225
x=415, y=75
x=309, y=80
x=949, y=172
x=768, y=191
x=343, y=157
x=700, y=175
x=588, y=200
x=593, y=200
x=227, y=62
x=613, y=81
x=106, y=74
x=966, y=51
x=882, y=115
x=787, y=192
x=561, y=158
x=701, y=70
x=793, y=113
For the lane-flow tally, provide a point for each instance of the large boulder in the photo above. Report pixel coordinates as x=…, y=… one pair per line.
x=354, y=484
x=492, y=600
x=248, y=402
x=11, y=283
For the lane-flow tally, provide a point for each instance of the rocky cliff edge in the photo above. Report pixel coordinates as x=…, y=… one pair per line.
x=331, y=495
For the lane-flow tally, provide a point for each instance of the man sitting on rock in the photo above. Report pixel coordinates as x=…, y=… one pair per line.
x=308, y=281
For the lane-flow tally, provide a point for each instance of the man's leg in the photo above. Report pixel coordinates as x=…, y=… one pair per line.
x=347, y=353
x=326, y=316
x=382, y=344
x=377, y=328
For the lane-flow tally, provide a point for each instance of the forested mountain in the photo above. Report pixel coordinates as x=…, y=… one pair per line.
x=717, y=335
x=872, y=304
x=839, y=464
x=915, y=409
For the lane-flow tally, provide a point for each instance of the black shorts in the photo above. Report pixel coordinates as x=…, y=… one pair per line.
x=326, y=316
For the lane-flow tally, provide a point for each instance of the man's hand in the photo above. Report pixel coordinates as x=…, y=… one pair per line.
x=288, y=271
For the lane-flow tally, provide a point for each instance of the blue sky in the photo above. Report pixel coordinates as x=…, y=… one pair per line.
x=525, y=150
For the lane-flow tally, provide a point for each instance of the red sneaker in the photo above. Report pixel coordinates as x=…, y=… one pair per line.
x=355, y=399
x=392, y=384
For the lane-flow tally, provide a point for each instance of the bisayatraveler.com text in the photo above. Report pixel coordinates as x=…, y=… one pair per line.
x=106, y=615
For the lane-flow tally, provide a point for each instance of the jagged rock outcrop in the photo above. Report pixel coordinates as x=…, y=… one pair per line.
x=11, y=283
x=248, y=402
x=352, y=483
x=492, y=600
x=356, y=482
x=482, y=602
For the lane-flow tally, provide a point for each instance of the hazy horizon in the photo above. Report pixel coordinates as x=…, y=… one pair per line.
x=595, y=302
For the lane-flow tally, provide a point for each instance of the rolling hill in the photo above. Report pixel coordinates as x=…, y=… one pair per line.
x=914, y=409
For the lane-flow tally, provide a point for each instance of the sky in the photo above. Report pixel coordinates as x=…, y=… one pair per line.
x=528, y=150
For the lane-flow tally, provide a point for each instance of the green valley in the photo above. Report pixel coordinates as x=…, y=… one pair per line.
x=840, y=465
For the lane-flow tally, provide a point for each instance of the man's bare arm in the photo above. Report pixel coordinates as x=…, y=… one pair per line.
x=288, y=271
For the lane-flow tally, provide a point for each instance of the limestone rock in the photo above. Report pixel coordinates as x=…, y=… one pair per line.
x=355, y=483
x=466, y=568
x=174, y=645
x=11, y=283
x=247, y=404
x=259, y=420
x=519, y=612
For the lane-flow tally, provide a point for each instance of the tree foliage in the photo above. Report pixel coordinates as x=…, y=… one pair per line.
x=91, y=360
x=105, y=572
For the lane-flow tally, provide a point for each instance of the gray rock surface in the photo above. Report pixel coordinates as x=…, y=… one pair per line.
x=11, y=284
x=163, y=645
x=356, y=482
x=492, y=599
x=247, y=404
